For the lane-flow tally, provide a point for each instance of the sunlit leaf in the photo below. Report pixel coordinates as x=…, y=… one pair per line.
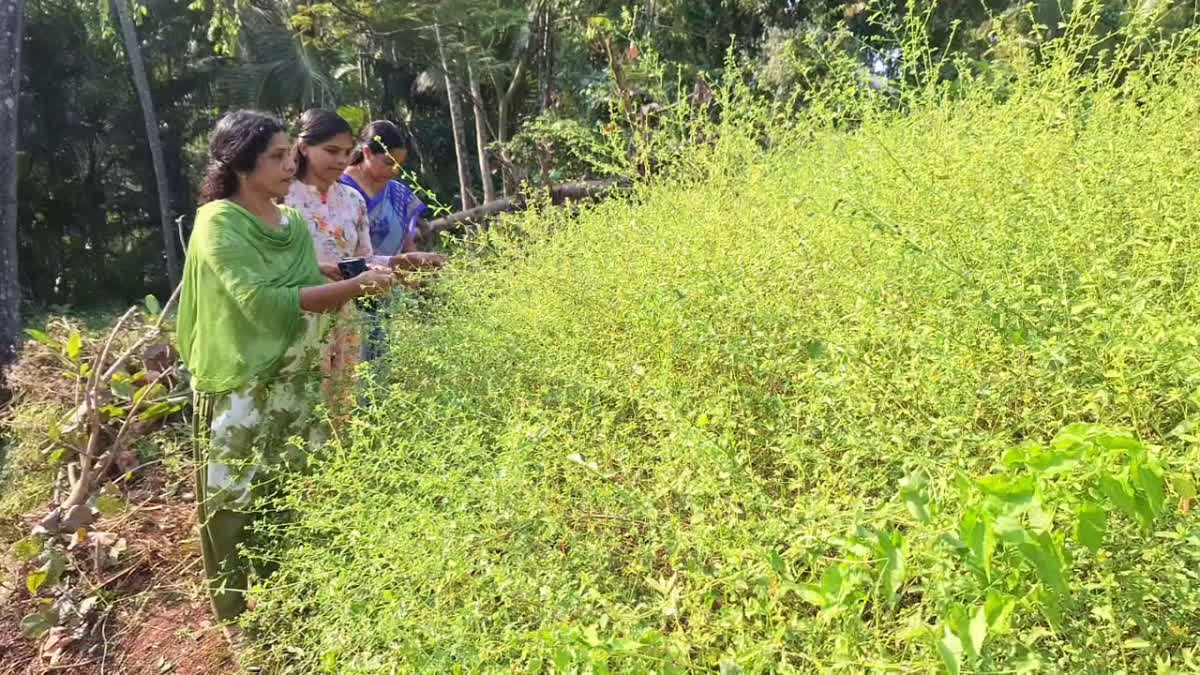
x=36, y=625
x=998, y=608
x=1151, y=483
x=951, y=650
x=1043, y=553
x=1091, y=525
x=1008, y=489
x=27, y=549
x=35, y=580
x=44, y=339
x=108, y=505
x=1119, y=495
x=74, y=346
x=893, y=546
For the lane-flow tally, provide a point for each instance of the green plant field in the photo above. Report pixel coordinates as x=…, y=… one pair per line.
x=864, y=401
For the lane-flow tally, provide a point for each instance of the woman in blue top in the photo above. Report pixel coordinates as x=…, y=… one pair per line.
x=392, y=209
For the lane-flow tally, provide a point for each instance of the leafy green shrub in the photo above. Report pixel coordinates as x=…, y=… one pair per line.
x=761, y=415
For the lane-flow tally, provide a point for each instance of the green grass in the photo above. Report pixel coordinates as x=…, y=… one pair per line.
x=626, y=441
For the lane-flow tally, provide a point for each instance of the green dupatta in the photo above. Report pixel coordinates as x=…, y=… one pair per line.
x=239, y=310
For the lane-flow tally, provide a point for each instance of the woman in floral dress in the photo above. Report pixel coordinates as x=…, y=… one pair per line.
x=337, y=221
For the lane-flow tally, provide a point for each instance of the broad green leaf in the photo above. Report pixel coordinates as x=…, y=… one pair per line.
x=152, y=305
x=1073, y=434
x=1151, y=483
x=1051, y=609
x=999, y=608
x=977, y=630
x=108, y=505
x=1007, y=489
x=74, y=346
x=562, y=659
x=831, y=582
x=914, y=491
x=893, y=546
x=27, y=549
x=1119, y=495
x=951, y=650
x=1110, y=441
x=975, y=528
x=1043, y=553
x=1090, y=528
x=812, y=594
x=1010, y=529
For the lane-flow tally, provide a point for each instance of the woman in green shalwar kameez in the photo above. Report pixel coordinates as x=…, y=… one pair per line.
x=250, y=326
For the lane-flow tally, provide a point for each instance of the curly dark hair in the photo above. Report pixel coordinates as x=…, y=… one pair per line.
x=233, y=147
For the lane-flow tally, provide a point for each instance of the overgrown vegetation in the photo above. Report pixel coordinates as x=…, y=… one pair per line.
x=915, y=392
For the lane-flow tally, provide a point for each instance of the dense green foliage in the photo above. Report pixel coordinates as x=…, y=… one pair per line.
x=547, y=86
x=823, y=398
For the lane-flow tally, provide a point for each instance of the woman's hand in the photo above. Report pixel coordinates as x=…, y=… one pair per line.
x=418, y=261
x=376, y=280
x=331, y=271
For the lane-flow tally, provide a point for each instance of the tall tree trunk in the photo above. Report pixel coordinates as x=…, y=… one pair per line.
x=12, y=30
x=456, y=122
x=505, y=106
x=547, y=75
x=142, y=84
x=481, y=136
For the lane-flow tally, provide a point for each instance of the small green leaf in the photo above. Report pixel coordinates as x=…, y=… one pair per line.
x=152, y=305
x=27, y=549
x=44, y=339
x=36, y=625
x=156, y=411
x=913, y=491
x=74, y=346
x=1089, y=530
x=36, y=580
x=1183, y=485
x=122, y=388
x=1135, y=643
x=951, y=650
x=108, y=505
x=812, y=594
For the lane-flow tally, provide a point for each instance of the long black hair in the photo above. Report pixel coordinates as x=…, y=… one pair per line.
x=382, y=137
x=316, y=127
x=233, y=147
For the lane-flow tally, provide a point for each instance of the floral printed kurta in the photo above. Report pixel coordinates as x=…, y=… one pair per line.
x=337, y=221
